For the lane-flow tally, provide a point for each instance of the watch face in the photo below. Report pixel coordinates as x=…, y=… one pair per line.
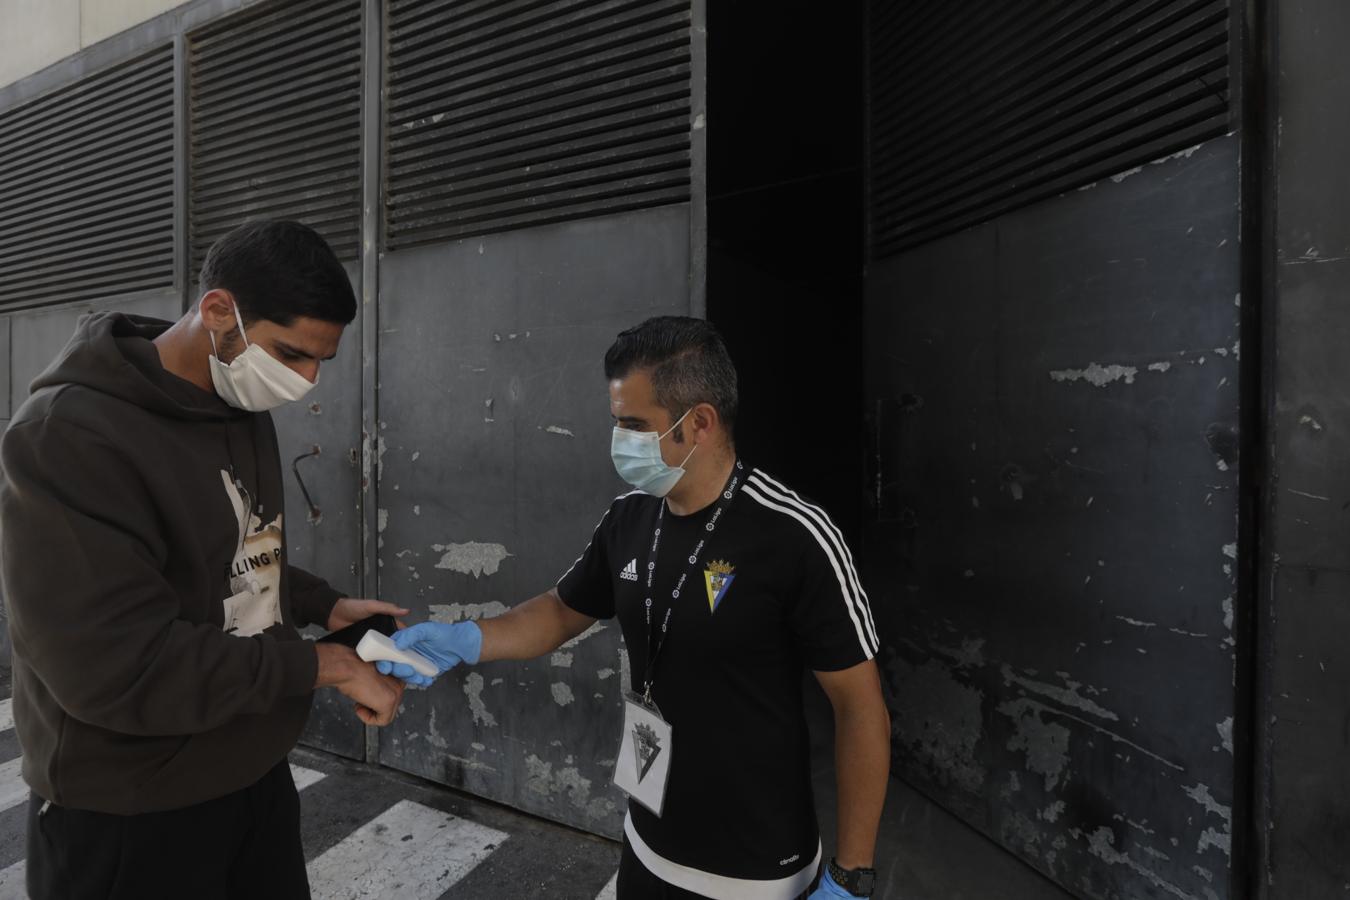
x=866, y=881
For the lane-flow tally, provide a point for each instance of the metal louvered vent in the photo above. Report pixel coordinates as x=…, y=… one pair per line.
x=509, y=113
x=276, y=121
x=978, y=113
x=87, y=188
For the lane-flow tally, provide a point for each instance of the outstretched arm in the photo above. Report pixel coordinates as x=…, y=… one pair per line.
x=539, y=625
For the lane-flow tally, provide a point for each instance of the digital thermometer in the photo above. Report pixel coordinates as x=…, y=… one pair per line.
x=375, y=646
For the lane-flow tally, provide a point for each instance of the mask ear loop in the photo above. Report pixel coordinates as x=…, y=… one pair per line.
x=240, y=319
x=677, y=425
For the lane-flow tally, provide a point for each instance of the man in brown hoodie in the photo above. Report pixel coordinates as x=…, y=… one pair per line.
x=159, y=677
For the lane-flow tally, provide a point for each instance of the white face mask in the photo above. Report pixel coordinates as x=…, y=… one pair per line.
x=256, y=380
x=637, y=459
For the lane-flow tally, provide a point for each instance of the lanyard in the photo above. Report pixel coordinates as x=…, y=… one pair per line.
x=654, y=645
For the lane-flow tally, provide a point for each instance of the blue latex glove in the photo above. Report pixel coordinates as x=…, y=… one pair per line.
x=829, y=889
x=446, y=645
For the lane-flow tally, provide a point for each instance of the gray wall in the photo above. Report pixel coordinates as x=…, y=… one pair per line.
x=1052, y=560
x=1304, y=741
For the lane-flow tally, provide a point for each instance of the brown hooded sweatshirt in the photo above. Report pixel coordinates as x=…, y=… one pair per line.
x=152, y=613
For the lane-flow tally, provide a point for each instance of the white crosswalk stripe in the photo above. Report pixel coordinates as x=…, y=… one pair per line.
x=13, y=789
x=409, y=852
x=12, y=882
x=608, y=892
x=6, y=715
x=305, y=777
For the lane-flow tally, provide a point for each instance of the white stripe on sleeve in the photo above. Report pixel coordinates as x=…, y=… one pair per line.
x=792, y=498
x=844, y=586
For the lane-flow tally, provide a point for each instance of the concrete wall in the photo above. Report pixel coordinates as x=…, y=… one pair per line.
x=36, y=33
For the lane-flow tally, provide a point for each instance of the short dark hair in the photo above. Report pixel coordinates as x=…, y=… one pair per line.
x=279, y=271
x=688, y=362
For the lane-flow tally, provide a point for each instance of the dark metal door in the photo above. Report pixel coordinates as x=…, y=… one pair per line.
x=494, y=468
x=1054, y=535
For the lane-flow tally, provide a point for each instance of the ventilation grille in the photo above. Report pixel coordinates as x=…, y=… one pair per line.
x=276, y=122
x=86, y=187
x=978, y=113
x=509, y=113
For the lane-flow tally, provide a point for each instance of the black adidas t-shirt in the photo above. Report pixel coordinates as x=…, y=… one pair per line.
x=774, y=593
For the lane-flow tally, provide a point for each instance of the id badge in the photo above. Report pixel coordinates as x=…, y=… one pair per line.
x=643, y=766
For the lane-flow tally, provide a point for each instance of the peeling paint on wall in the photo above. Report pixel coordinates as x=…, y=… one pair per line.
x=460, y=612
x=472, y=558
x=1102, y=844
x=434, y=737
x=970, y=655
x=1096, y=374
x=1180, y=154
x=1066, y=696
x=1046, y=743
x=1211, y=837
x=940, y=720
x=568, y=784
x=473, y=689
x=1136, y=622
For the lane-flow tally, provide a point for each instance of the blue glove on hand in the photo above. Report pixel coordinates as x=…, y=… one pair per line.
x=446, y=645
x=829, y=890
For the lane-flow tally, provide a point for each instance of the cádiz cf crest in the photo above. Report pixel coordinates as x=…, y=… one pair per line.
x=718, y=577
x=646, y=747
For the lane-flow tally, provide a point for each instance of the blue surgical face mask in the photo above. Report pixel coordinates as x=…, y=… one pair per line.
x=637, y=459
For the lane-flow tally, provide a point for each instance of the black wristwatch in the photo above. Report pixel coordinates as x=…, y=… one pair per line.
x=858, y=882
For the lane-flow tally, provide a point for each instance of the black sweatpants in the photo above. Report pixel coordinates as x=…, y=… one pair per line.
x=243, y=846
x=636, y=882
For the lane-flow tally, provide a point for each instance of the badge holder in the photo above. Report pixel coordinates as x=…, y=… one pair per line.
x=643, y=766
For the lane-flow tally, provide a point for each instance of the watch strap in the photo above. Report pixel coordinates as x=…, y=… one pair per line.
x=858, y=882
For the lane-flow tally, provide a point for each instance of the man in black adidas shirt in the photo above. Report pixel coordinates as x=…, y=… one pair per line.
x=733, y=585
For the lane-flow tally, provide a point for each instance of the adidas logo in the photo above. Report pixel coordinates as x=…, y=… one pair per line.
x=629, y=572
